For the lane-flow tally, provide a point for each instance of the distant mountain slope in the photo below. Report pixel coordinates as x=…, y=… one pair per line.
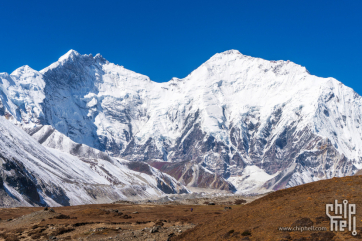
x=32, y=175
x=257, y=124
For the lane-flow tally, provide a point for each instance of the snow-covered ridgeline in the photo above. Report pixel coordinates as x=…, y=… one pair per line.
x=233, y=115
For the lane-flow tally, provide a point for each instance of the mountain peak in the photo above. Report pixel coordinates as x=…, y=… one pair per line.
x=226, y=55
x=231, y=52
x=100, y=58
x=70, y=54
x=23, y=69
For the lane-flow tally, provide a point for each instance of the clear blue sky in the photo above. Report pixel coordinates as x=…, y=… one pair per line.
x=165, y=39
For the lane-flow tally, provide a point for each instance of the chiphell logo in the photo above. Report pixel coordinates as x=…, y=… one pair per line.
x=344, y=216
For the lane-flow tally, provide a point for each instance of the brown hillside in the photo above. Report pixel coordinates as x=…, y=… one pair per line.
x=298, y=206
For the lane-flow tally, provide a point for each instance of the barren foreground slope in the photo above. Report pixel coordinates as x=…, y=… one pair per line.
x=303, y=205
x=119, y=221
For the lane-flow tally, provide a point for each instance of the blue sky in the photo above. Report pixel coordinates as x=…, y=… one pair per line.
x=165, y=39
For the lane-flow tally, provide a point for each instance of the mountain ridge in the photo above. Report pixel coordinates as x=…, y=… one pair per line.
x=32, y=174
x=237, y=116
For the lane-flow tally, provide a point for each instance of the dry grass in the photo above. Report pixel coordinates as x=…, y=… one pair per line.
x=96, y=222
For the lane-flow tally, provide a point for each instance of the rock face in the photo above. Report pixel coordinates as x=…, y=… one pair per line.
x=236, y=122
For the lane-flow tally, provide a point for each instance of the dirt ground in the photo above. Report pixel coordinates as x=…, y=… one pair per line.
x=124, y=221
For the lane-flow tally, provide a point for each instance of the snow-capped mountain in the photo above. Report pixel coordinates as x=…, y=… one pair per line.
x=236, y=122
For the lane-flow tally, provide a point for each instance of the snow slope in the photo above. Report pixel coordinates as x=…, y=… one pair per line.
x=32, y=174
